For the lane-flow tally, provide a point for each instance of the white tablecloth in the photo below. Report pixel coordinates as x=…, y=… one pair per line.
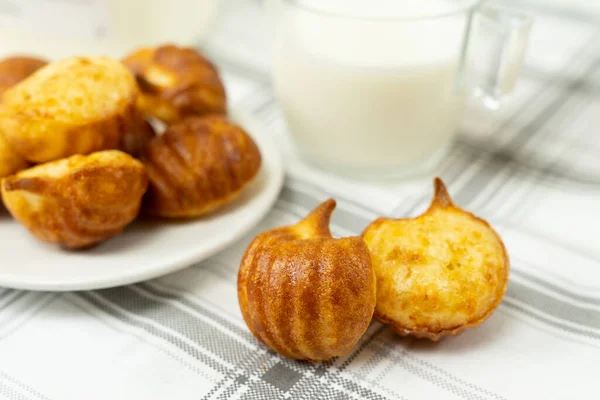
x=532, y=169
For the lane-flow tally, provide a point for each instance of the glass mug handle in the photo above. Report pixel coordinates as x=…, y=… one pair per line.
x=496, y=42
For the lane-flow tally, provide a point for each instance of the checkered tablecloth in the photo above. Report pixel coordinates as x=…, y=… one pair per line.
x=532, y=169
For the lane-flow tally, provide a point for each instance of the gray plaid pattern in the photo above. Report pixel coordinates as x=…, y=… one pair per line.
x=501, y=179
x=263, y=374
x=243, y=368
x=12, y=389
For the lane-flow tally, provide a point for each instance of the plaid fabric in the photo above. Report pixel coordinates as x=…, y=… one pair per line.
x=532, y=169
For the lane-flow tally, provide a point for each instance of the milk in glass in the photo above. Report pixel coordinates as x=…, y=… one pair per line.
x=371, y=84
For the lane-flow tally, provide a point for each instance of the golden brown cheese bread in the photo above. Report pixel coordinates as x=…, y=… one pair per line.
x=198, y=165
x=14, y=69
x=78, y=201
x=72, y=106
x=176, y=82
x=305, y=294
x=10, y=162
x=438, y=273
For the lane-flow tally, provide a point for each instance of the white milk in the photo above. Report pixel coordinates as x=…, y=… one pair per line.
x=371, y=94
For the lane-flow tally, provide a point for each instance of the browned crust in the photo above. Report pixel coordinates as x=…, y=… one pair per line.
x=305, y=294
x=137, y=134
x=197, y=166
x=89, y=204
x=12, y=71
x=104, y=134
x=50, y=129
x=317, y=221
x=442, y=199
x=10, y=161
x=193, y=86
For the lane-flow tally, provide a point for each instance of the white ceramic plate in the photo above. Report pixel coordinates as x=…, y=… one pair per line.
x=146, y=249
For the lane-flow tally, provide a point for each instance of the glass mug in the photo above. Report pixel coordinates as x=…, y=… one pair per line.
x=376, y=89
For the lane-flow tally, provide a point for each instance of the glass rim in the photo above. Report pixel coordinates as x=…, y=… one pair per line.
x=468, y=5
